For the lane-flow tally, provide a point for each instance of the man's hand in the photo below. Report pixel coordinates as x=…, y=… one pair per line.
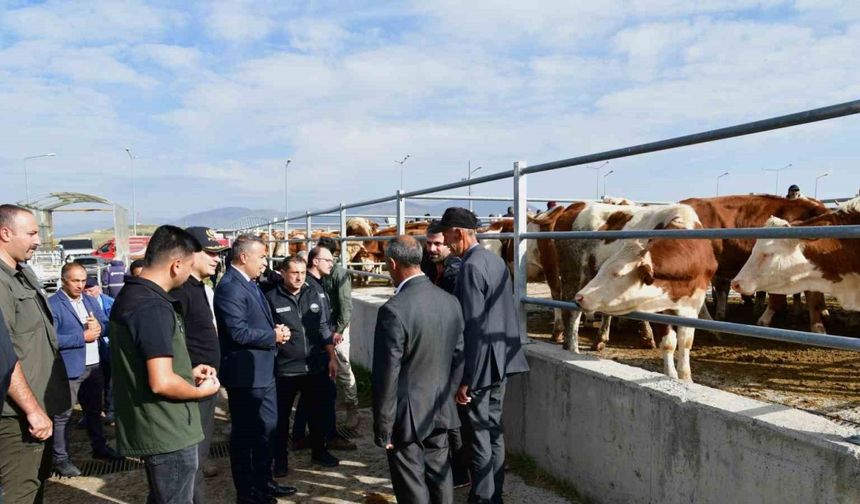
x=202, y=372
x=209, y=386
x=41, y=426
x=389, y=446
x=337, y=338
x=282, y=334
x=332, y=369
x=91, y=335
x=462, y=396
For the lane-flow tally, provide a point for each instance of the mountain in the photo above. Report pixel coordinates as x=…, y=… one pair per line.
x=224, y=217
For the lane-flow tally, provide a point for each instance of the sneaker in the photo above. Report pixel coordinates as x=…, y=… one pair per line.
x=341, y=443
x=66, y=469
x=107, y=453
x=325, y=459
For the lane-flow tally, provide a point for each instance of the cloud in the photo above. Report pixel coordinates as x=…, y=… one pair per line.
x=237, y=22
x=169, y=56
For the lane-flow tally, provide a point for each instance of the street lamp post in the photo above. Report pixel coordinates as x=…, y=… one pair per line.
x=718, y=181
x=610, y=172
x=131, y=158
x=816, y=182
x=469, y=177
x=286, y=203
x=401, y=162
x=26, y=178
x=777, y=170
x=597, y=179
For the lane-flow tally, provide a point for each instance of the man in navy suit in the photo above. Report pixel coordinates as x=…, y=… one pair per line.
x=248, y=339
x=81, y=328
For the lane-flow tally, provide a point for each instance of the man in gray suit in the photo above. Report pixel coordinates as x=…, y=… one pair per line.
x=493, y=351
x=417, y=365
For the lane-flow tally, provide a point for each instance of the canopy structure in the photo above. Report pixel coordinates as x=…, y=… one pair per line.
x=45, y=206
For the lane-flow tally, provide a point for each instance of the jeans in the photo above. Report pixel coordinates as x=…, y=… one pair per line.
x=207, y=421
x=171, y=476
x=86, y=389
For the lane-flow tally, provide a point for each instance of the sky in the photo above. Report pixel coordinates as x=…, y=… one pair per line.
x=212, y=98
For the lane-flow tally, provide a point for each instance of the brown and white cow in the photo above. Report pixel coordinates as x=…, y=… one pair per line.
x=789, y=265
x=744, y=211
x=657, y=276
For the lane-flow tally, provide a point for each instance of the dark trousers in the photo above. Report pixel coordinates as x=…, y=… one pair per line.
x=460, y=446
x=171, y=476
x=207, y=421
x=254, y=414
x=87, y=390
x=25, y=463
x=107, y=407
x=312, y=388
x=488, y=444
x=421, y=471
x=300, y=421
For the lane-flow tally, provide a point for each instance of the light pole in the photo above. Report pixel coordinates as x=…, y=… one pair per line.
x=610, y=172
x=286, y=203
x=469, y=177
x=597, y=179
x=26, y=180
x=816, y=182
x=401, y=170
x=131, y=157
x=718, y=181
x=777, y=170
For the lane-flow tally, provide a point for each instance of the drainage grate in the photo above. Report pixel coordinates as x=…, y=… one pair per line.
x=346, y=432
x=100, y=467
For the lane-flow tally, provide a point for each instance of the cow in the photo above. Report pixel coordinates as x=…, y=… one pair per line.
x=570, y=264
x=791, y=265
x=376, y=249
x=744, y=211
x=657, y=276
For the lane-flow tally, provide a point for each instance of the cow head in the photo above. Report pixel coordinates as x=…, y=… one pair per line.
x=775, y=265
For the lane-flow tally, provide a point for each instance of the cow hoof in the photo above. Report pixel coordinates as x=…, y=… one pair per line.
x=825, y=314
x=647, y=343
x=763, y=322
x=558, y=337
x=818, y=328
x=599, y=346
x=572, y=348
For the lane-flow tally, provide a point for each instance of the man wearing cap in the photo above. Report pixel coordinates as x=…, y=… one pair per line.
x=80, y=324
x=794, y=192
x=201, y=334
x=492, y=348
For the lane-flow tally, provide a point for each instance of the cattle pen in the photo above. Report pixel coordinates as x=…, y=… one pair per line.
x=649, y=438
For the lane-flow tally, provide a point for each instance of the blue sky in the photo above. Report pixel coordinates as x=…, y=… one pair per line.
x=213, y=97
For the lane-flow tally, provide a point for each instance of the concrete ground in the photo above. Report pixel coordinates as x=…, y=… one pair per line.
x=361, y=478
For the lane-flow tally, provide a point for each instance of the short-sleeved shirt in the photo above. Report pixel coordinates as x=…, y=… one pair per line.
x=146, y=323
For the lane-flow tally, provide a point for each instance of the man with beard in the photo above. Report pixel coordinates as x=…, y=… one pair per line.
x=438, y=263
x=39, y=385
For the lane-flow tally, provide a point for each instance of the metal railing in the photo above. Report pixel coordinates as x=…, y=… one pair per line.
x=519, y=175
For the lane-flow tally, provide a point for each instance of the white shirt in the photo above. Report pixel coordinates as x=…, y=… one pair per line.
x=397, y=290
x=244, y=275
x=92, y=347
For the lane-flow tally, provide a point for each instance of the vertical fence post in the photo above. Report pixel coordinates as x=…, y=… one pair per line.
x=308, y=239
x=343, y=257
x=270, y=245
x=401, y=213
x=520, y=246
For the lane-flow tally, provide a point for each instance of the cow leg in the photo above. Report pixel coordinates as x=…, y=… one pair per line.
x=602, y=334
x=685, y=343
x=815, y=304
x=760, y=300
x=557, y=325
x=571, y=336
x=646, y=336
x=667, y=349
x=720, y=290
x=796, y=305
x=775, y=303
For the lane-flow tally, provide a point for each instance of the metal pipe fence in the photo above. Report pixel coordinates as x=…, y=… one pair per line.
x=519, y=175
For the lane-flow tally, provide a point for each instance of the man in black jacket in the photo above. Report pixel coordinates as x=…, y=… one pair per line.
x=417, y=364
x=201, y=335
x=493, y=350
x=439, y=264
x=306, y=363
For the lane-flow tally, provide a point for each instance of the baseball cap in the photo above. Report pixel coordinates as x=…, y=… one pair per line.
x=206, y=237
x=458, y=217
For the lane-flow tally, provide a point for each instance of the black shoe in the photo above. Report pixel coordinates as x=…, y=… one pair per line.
x=325, y=459
x=255, y=497
x=282, y=468
x=107, y=453
x=66, y=469
x=276, y=490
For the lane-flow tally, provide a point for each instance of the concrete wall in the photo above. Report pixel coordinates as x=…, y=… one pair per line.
x=621, y=434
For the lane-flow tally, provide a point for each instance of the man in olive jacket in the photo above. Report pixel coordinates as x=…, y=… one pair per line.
x=39, y=386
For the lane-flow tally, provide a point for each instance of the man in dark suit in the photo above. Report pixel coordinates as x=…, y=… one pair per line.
x=248, y=339
x=417, y=364
x=81, y=327
x=493, y=350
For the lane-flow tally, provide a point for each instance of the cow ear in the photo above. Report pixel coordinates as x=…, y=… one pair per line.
x=776, y=222
x=646, y=272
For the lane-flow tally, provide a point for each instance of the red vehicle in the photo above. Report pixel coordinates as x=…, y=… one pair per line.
x=136, y=244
